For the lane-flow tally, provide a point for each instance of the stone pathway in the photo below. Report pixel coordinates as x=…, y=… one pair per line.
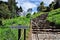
x=41, y=23
x=45, y=36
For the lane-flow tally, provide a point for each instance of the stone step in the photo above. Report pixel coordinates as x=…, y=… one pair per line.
x=35, y=31
x=49, y=36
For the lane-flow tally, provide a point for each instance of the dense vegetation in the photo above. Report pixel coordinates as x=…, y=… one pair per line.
x=20, y=20
x=7, y=12
x=54, y=16
x=15, y=21
x=4, y=11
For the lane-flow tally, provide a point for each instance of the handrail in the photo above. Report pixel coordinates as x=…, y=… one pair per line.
x=19, y=27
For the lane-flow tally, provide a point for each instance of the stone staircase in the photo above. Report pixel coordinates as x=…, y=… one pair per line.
x=41, y=24
x=42, y=29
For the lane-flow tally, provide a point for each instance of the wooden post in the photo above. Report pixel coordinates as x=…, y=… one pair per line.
x=19, y=34
x=24, y=34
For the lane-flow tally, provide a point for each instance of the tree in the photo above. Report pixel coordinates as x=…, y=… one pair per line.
x=12, y=7
x=47, y=9
x=21, y=10
x=41, y=7
x=51, y=6
x=34, y=13
x=28, y=15
x=38, y=8
x=4, y=11
x=57, y=5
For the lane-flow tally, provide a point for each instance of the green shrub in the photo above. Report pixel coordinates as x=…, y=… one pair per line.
x=4, y=11
x=28, y=15
x=54, y=16
x=34, y=13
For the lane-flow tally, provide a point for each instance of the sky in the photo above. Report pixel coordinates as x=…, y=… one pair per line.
x=26, y=4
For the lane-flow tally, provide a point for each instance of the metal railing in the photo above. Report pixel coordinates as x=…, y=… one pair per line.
x=20, y=27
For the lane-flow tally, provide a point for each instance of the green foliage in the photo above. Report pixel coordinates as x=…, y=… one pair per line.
x=8, y=9
x=34, y=13
x=12, y=7
x=4, y=11
x=8, y=34
x=28, y=15
x=19, y=20
x=42, y=3
x=12, y=34
x=54, y=16
x=51, y=6
x=21, y=9
x=37, y=14
x=41, y=7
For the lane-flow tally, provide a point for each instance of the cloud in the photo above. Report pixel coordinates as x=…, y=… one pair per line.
x=5, y=0
x=26, y=4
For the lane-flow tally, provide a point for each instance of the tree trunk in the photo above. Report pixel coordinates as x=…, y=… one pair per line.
x=0, y=22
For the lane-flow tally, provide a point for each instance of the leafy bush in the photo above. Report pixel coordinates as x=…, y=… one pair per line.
x=7, y=34
x=13, y=33
x=54, y=16
x=34, y=13
x=4, y=11
x=28, y=15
